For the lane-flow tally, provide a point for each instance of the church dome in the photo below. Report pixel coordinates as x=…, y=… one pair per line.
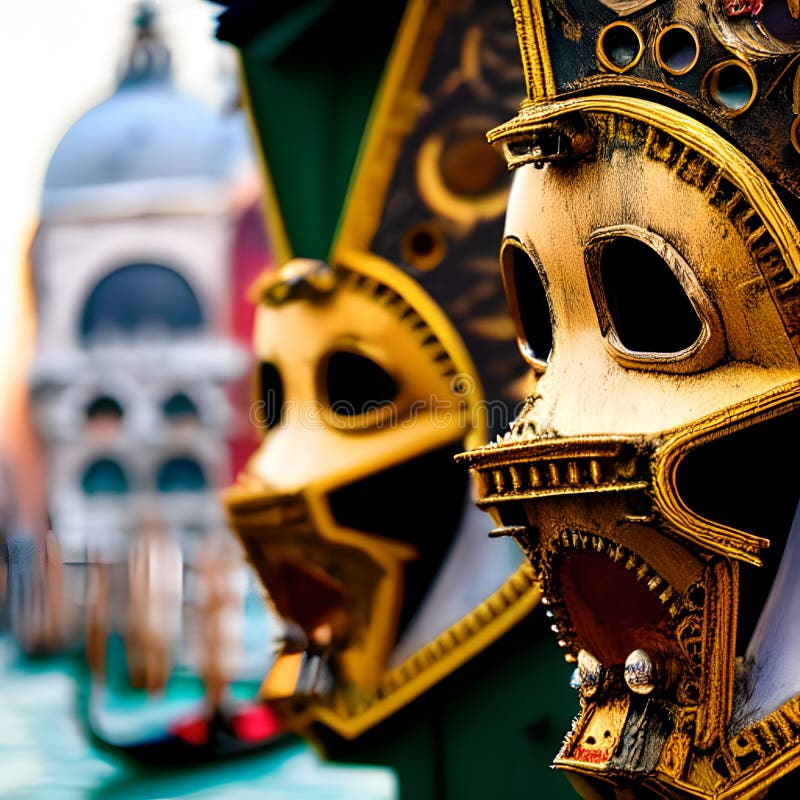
x=147, y=130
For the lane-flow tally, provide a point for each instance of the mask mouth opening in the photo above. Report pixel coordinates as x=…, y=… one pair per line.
x=313, y=599
x=321, y=589
x=325, y=593
x=625, y=627
x=325, y=589
x=420, y=502
x=607, y=601
x=611, y=606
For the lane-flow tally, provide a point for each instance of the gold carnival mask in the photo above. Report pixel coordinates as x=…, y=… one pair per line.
x=651, y=265
x=372, y=373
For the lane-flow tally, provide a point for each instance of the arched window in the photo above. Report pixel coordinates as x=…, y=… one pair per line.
x=104, y=476
x=104, y=409
x=180, y=408
x=140, y=298
x=181, y=475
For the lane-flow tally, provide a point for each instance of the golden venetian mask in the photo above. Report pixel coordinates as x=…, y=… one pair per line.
x=374, y=371
x=651, y=264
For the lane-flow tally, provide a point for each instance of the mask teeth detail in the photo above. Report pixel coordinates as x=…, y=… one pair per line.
x=525, y=430
x=575, y=679
x=520, y=431
x=316, y=678
x=580, y=540
x=560, y=475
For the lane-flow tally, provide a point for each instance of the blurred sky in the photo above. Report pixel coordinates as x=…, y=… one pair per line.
x=58, y=58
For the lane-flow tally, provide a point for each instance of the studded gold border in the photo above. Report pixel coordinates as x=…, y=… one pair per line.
x=496, y=615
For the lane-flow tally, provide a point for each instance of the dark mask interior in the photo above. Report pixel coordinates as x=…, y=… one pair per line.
x=308, y=596
x=354, y=384
x=420, y=501
x=744, y=481
x=270, y=393
x=649, y=308
x=528, y=299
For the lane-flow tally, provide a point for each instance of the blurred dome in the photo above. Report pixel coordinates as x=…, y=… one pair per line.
x=147, y=130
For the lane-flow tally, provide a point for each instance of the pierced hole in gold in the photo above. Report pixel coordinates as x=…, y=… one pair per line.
x=619, y=46
x=731, y=86
x=424, y=246
x=677, y=49
x=527, y=298
x=470, y=166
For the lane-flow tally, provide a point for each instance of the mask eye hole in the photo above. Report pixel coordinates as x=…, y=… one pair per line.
x=650, y=305
x=269, y=392
x=527, y=300
x=355, y=384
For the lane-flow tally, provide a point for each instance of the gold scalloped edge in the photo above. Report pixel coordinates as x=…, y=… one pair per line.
x=496, y=604
x=779, y=730
x=487, y=622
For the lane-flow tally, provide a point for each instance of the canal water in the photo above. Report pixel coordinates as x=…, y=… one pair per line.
x=47, y=753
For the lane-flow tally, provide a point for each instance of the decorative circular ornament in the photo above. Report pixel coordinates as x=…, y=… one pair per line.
x=620, y=46
x=677, y=49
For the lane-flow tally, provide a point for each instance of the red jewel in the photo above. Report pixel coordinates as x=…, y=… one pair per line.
x=737, y=8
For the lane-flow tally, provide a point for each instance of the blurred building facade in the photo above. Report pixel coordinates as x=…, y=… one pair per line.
x=150, y=232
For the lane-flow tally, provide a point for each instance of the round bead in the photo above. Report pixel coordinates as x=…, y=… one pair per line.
x=640, y=672
x=575, y=679
x=591, y=673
